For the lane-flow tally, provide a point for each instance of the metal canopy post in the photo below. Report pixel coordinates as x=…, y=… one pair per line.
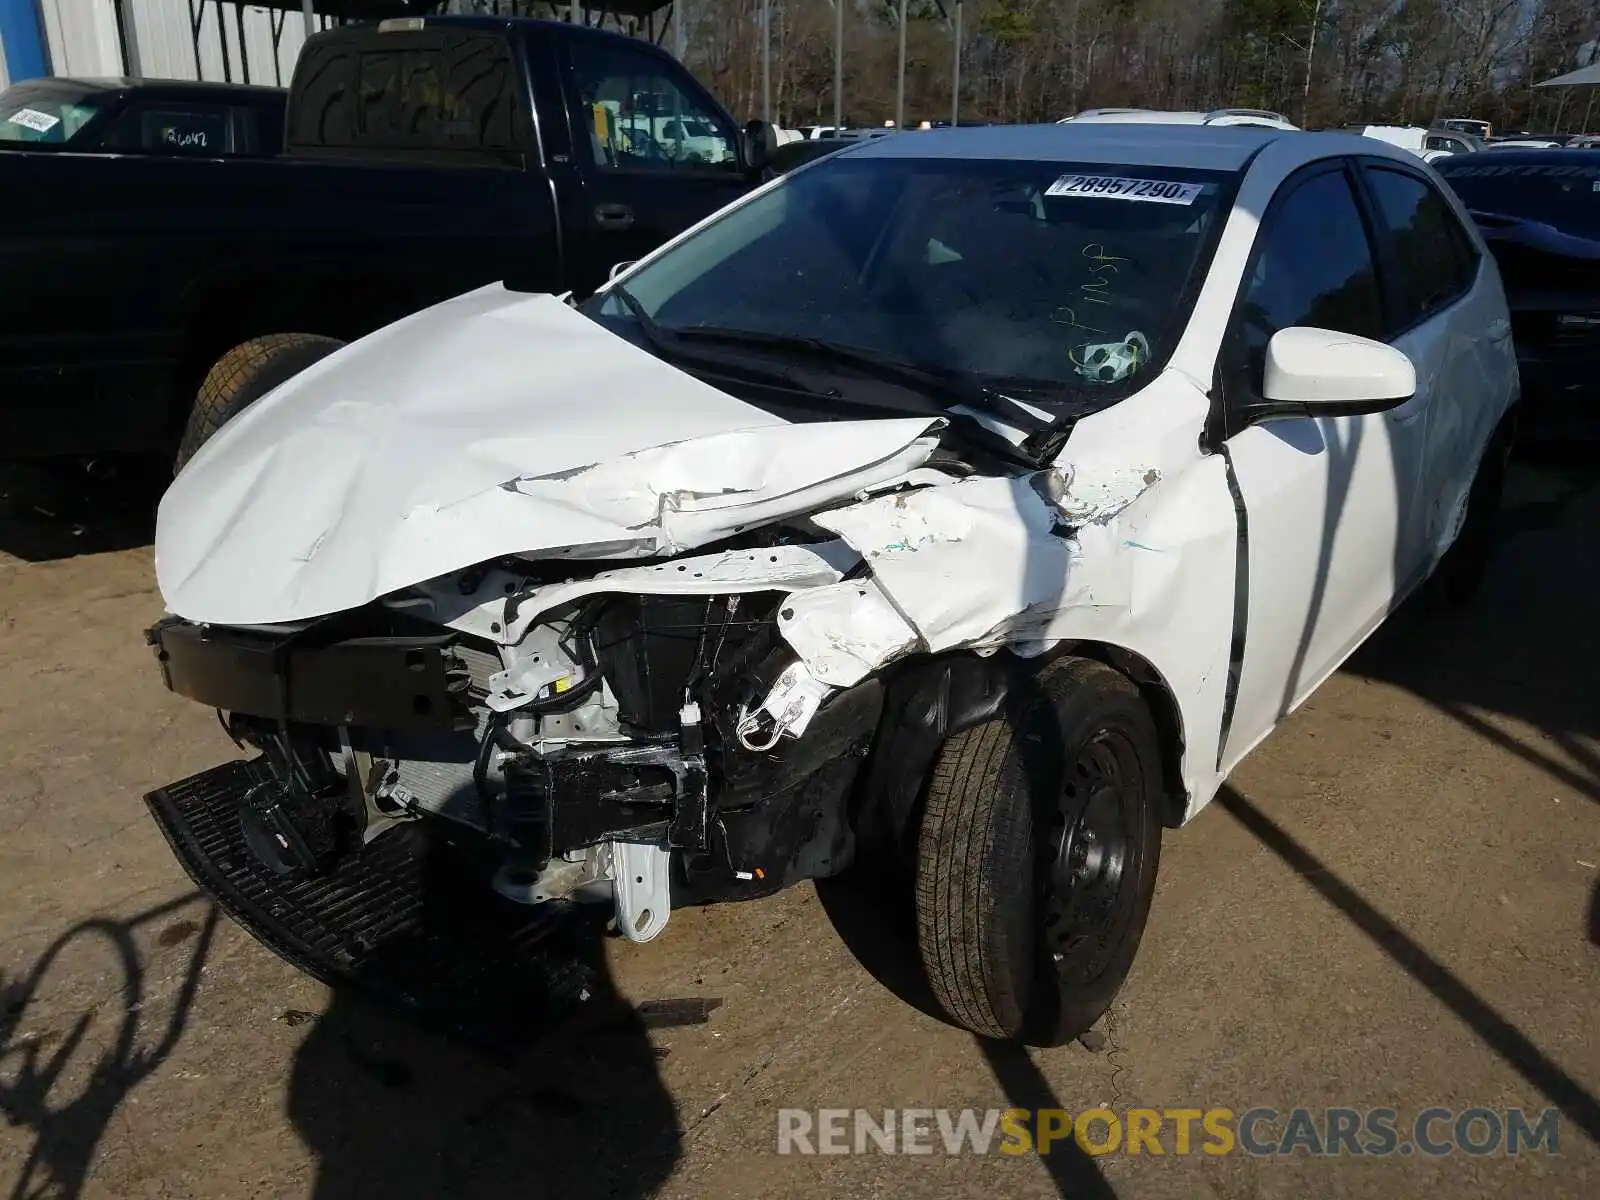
x=955, y=74
x=900, y=80
x=838, y=65
x=766, y=61
x=308, y=14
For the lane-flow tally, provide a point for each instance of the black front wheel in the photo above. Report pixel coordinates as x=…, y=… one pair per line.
x=1037, y=858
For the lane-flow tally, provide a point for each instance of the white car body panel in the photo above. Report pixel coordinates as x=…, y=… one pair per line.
x=350, y=481
x=496, y=425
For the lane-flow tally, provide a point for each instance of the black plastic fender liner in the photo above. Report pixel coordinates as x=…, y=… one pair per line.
x=925, y=703
x=400, y=921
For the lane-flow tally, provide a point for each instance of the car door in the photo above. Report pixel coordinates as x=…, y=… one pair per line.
x=642, y=188
x=1326, y=501
x=1443, y=314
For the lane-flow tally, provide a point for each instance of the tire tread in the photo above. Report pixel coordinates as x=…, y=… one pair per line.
x=233, y=376
x=970, y=854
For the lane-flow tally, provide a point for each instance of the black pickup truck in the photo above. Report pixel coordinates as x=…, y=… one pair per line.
x=148, y=299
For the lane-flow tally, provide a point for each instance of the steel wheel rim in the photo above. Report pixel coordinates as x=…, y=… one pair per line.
x=1088, y=850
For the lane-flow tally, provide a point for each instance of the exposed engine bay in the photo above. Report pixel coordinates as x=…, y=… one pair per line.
x=640, y=748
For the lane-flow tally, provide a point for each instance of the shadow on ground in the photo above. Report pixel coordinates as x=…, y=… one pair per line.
x=387, y=1108
x=1497, y=1033
x=390, y=1110
x=64, y=1083
x=1528, y=647
x=49, y=512
x=540, y=1076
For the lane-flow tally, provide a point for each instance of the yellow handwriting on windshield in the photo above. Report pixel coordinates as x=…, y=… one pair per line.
x=1101, y=265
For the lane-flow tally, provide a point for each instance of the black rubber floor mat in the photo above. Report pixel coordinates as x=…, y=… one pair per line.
x=389, y=921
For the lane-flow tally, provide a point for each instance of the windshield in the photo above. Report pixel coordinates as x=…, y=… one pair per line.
x=48, y=116
x=1062, y=275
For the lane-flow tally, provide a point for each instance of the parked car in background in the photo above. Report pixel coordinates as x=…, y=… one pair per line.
x=983, y=496
x=1427, y=144
x=1482, y=130
x=1528, y=135
x=1539, y=212
x=143, y=116
x=1144, y=116
x=149, y=299
x=1528, y=143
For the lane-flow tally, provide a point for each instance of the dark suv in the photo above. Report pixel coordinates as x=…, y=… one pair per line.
x=1539, y=211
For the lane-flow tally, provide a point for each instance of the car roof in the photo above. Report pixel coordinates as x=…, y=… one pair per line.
x=170, y=87
x=1210, y=147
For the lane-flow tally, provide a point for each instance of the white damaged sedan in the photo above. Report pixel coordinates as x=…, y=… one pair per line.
x=979, y=498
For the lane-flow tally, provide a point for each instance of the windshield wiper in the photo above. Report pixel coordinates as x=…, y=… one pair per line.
x=959, y=398
x=935, y=391
x=952, y=386
x=659, y=338
x=888, y=369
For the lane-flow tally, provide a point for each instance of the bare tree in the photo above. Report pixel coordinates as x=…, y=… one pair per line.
x=1328, y=62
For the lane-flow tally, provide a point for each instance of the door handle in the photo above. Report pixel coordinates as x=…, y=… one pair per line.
x=613, y=216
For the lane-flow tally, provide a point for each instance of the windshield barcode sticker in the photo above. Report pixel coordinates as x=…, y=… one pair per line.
x=1154, y=191
x=32, y=118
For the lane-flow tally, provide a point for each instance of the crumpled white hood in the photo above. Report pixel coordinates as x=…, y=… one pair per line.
x=492, y=424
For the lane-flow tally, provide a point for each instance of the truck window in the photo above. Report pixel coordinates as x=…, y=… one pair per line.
x=639, y=119
x=427, y=93
x=168, y=128
x=48, y=114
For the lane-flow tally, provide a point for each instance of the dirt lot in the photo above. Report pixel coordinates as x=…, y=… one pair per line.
x=1394, y=904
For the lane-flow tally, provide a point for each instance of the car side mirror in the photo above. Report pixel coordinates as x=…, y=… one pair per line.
x=619, y=268
x=1321, y=373
x=760, y=143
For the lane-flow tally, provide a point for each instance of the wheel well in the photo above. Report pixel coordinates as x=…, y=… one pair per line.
x=224, y=316
x=930, y=698
x=1164, y=712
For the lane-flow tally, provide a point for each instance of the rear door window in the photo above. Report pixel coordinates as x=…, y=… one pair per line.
x=171, y=129
x=1435, y=260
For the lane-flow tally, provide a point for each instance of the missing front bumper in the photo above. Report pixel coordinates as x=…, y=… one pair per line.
x=396, y=921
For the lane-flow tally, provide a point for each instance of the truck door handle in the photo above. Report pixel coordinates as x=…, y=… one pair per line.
x=613, y=216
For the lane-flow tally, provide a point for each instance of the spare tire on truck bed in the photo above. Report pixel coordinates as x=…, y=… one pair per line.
x=242, y=376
